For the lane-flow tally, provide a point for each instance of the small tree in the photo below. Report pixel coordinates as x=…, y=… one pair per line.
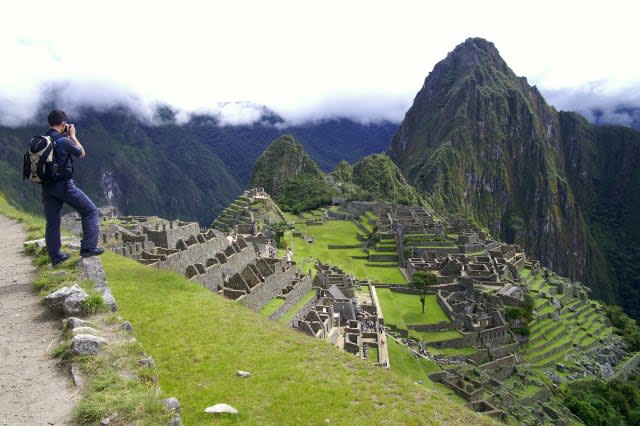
x=373, y=237
x=279, y=229
x=421, y=281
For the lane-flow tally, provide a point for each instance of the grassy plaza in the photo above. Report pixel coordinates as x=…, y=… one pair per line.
x=338, y=233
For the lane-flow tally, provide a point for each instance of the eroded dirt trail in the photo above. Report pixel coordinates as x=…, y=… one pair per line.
x=33, y=389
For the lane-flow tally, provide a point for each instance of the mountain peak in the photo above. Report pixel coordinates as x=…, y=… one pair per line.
x=473, y=53
x=283, y=160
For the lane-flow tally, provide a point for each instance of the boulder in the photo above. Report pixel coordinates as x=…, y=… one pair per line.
x=147, y=362
x=91, y=269
x=85, y=330
x=175, y=420
x=221, y=408
x=108, y=298
x=87, y=344
x=67, y=299
x=75, y=375
x=126, y=326
x=243, y=374
x=172, y=404
x=73, y=322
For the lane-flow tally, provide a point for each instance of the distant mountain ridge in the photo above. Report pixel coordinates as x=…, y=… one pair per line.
x=191, y=171
x=481, y=142
x=296, y=182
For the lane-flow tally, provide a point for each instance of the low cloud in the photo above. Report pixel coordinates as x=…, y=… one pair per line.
x=598, y=103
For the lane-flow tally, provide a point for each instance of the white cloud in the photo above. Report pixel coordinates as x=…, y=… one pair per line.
x=305, y=60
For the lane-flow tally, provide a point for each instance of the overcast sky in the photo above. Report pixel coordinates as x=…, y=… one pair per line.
x=303, y=59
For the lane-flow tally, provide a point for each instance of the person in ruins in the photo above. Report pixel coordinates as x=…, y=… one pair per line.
x=62, y=189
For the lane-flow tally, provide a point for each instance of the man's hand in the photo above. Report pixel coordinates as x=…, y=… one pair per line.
x=72, y=135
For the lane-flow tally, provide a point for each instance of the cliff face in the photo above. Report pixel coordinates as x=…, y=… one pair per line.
x=482, y=142
x=380, y=179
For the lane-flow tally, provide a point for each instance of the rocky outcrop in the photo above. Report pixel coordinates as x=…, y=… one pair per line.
x=67, y=300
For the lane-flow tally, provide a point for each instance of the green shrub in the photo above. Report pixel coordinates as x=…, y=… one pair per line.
x=93, y=304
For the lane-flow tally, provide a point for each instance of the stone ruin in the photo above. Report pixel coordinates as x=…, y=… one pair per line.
x=226, y=265
x=339, y=317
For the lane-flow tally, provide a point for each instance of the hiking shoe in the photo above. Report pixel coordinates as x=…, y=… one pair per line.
x=91, y=252
x=58, y=260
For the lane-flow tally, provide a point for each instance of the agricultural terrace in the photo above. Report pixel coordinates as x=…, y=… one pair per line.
x=582, y=325
x=352, y=260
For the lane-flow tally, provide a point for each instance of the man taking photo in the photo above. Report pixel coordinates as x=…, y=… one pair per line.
x=62, y=189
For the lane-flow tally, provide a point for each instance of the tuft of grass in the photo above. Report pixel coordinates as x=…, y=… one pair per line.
x=112, y=392
x=199, y=340
x=47, y=283
x=41, y=259
x=94, y=303
x=62, y=350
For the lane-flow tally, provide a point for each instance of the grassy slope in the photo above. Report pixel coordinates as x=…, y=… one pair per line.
x=199, y=340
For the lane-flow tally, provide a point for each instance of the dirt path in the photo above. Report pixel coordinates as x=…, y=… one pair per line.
x=33, y=389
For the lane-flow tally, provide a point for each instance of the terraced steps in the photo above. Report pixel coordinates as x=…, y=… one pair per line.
x=559, y=345
x=549, y=361
x=547, y=339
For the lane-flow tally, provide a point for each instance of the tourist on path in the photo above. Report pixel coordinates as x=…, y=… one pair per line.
x=62, y=190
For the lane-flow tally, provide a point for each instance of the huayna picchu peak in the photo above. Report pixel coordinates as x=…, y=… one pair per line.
x=481, y=142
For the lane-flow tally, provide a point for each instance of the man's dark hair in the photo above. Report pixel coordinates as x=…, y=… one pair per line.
x=56, y=117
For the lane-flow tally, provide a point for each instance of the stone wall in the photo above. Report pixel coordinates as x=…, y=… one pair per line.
x=302, y=312
x=502, y=351
x=441, y=326
x=271, y=287
x=215, y=272
x=167, y=235
x=195, y=253
x=301, y=289
x=498, y=363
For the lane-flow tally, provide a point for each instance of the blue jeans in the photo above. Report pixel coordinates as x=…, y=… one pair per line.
x=54, y=195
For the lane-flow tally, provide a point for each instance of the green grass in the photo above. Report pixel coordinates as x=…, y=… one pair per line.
x=403, y=361
x=466, y=350
x=338, y=232
x=111, y=392
x=527, y=391
x=199, y=340
x=400, y=309
x=296, y=308
x=435, y=336
x=273, y=305
x=34, y=225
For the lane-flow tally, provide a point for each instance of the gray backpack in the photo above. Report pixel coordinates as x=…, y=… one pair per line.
x=39, y=165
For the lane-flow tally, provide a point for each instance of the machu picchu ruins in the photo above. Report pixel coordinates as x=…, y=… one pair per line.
x=485, y=347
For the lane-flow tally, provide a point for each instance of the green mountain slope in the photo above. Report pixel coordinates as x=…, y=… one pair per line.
x=375, y=178
x=188, y=170
x=481, y=142
x=296, y=182
x=282, y=161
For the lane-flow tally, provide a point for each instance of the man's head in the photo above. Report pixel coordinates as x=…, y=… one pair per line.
x=57, y=117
